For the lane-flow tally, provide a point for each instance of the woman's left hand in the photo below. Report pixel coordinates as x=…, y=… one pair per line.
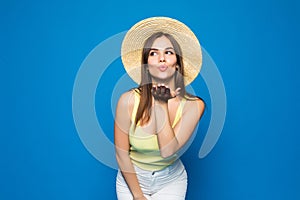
x=163, y=93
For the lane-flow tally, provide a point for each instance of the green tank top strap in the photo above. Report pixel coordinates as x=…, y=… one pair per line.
x=179, y=112
x=136, y=105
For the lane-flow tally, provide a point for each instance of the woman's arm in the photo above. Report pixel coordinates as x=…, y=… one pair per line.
x=171, y=140
x=121, y=139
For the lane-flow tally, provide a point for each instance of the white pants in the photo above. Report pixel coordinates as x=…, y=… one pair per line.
x=167, y=184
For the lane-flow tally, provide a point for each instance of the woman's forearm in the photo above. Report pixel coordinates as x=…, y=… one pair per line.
x=167, y=140
x=129, y=174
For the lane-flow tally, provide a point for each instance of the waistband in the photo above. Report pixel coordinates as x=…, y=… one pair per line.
x=175, y=167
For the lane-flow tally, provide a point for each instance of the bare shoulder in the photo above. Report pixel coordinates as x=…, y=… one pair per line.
x=126, y=100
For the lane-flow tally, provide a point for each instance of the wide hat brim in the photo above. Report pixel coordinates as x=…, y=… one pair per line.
x=132, y=46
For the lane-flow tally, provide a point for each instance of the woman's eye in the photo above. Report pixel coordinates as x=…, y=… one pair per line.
x=152, y=53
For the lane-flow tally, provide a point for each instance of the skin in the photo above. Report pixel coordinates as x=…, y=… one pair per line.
x=162, y=62
x=162, y=66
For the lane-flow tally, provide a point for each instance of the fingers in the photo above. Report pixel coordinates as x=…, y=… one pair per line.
x=162, y=92
x=177, y=91
x=168, y=92
x=158, y=90
x=154, y=90
x=162, y=89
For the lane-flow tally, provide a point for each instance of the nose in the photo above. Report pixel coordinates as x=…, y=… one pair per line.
x=162, y=57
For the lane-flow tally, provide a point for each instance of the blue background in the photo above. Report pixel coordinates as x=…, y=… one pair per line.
x=255, y=45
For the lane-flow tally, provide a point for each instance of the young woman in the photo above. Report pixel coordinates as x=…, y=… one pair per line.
x=155, y=120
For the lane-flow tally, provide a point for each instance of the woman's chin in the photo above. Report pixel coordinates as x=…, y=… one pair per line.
x=162, y=79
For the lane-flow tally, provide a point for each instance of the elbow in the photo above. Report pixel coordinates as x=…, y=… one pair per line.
x=166, y=153
x=169, y=150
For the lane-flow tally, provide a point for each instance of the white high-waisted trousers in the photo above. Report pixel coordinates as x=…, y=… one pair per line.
x=167, y=184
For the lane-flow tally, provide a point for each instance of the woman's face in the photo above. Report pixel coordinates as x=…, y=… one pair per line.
x=162, y=59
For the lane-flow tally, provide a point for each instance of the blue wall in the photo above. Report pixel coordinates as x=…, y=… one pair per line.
x=255, y=45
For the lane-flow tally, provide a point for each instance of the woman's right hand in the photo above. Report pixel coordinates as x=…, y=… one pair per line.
x=163, y=93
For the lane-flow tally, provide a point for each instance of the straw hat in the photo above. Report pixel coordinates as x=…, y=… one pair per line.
x=135, y=38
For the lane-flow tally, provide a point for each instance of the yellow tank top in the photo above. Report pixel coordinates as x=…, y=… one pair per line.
x=144, y=150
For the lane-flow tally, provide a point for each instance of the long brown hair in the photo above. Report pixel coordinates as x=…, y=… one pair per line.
x=144, y=109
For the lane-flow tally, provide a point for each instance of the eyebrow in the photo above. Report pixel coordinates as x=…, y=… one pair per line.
x=165, y=48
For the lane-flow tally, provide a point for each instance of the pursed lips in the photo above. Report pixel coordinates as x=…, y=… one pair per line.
x=162, y=68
